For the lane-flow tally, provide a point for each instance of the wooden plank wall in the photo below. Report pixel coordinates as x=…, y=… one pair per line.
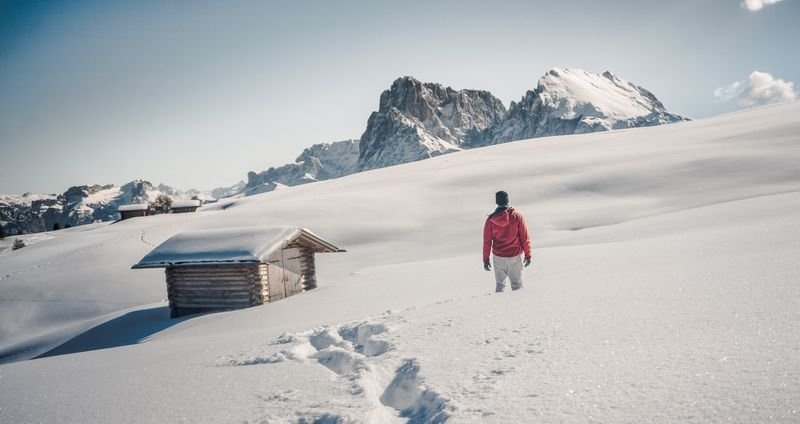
x=275, y=279
x=284, y=277
x=291, y=271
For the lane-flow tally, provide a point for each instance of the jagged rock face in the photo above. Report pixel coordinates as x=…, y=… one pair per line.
x=319, y=162
x=78, y=205
x=418, y=120
x=572, y=101
x=393, y=138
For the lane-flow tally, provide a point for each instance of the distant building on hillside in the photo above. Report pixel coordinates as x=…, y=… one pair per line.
x=133, y=210
x=225, y=269
x=183, y=206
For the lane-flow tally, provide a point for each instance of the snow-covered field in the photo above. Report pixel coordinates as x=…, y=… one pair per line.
x=665, y=288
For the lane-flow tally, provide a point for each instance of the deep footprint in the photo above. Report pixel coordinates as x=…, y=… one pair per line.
x=411, y=399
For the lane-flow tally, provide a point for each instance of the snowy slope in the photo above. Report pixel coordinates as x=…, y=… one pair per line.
x=664, y=289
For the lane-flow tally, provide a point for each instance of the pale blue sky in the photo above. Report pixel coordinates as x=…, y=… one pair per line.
x=195, y=94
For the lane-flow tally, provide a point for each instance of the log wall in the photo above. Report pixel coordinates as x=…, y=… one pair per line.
x=213, y=288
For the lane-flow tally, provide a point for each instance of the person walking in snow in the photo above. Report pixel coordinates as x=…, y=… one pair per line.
x=505, y=234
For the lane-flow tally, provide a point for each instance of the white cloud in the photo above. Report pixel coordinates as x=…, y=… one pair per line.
x=760, y=88
x=754, y=5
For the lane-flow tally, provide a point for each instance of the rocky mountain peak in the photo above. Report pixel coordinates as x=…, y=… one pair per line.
x=417, y=120
x=408, y=94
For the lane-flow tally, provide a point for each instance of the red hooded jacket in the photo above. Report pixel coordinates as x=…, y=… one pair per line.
x=506, y=234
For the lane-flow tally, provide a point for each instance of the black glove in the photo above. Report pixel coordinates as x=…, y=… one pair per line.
x=527, y=261
x=486, y=266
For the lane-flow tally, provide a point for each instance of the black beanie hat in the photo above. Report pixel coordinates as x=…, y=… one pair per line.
x=501, y=198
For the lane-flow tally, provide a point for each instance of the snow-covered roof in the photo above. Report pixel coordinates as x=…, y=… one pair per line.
x=229, y=246
x=133, y=207
x=185, y=204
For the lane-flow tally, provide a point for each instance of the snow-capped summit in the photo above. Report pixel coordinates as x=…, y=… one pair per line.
x=573, y=101
x=418, y=120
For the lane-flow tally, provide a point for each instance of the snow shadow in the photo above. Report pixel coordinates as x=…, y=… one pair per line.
x=128, y=329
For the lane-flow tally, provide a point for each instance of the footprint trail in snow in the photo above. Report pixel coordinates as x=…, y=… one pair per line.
x=362, y=356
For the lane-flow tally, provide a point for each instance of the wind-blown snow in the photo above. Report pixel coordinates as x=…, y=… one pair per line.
x=664, y=289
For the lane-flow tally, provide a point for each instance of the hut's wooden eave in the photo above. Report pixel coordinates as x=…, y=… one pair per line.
x=319, y=245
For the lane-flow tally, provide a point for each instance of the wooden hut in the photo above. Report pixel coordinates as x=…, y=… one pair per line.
x=184, y=206
x=133, y=210
x=225, y=269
